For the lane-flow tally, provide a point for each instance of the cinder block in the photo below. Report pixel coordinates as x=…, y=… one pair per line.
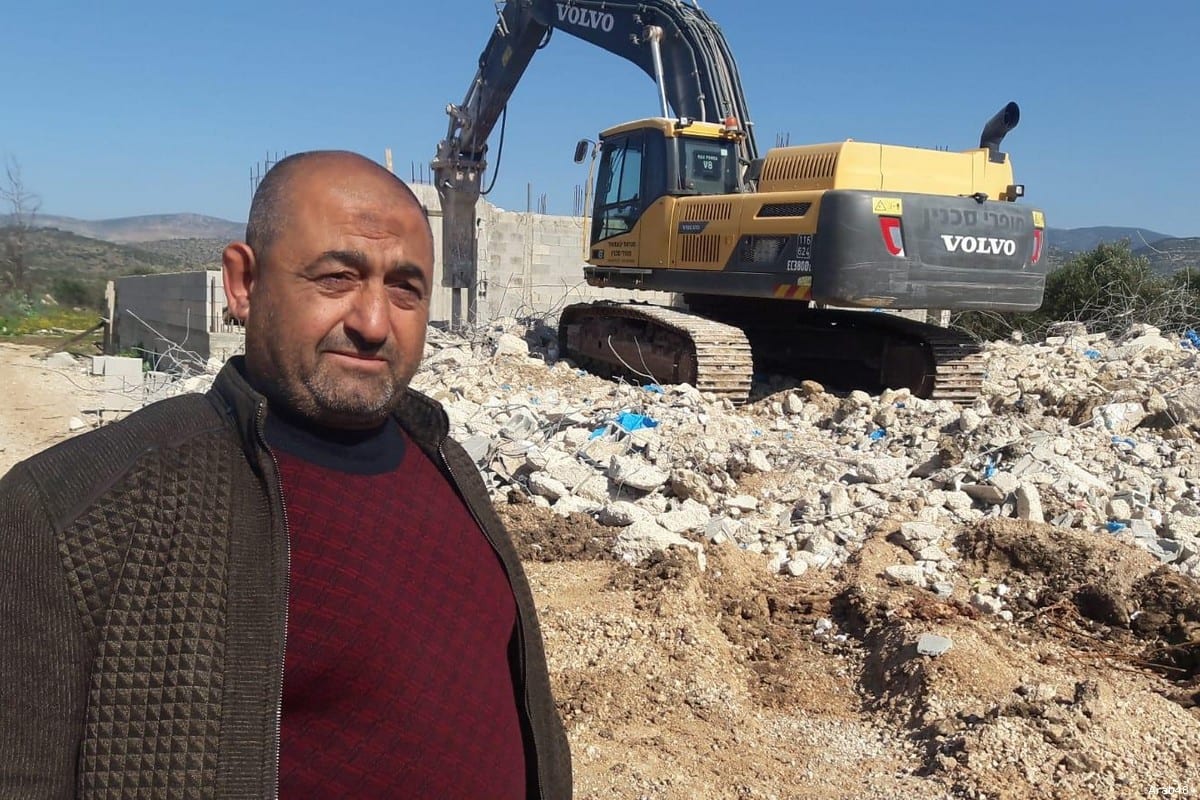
x=123, y=366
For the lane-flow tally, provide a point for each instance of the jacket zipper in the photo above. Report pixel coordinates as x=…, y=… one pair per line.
x=287, y=589
x=520, y=624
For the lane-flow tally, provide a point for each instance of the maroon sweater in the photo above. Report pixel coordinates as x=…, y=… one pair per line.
x=397, y=681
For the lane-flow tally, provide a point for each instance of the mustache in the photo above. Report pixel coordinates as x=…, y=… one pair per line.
x=339, y=342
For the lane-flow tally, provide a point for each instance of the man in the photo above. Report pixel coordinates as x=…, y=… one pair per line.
x=294, y=585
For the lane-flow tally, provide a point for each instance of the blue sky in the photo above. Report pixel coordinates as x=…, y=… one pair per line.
x=127, y=108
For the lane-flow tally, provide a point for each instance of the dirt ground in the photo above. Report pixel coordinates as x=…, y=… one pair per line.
x=677, y=683
x=39, y=402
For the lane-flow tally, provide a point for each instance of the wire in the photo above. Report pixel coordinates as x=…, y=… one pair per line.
x=627, y=365
x=499, y=150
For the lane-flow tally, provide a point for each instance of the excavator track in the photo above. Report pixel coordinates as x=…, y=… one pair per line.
x=660, y=345
x=959, y=367
x=844, y=349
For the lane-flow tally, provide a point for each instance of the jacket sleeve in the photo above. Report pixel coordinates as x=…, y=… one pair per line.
x=43, y=671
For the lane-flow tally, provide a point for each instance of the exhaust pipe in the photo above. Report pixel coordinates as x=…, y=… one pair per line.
x=998, y=126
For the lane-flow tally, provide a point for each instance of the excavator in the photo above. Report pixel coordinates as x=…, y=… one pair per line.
x=785, y=263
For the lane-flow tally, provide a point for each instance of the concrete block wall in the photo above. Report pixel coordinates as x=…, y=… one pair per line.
x=153, y=312
x=529, y=264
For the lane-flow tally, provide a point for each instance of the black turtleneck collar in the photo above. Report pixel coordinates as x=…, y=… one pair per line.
x=358, y=452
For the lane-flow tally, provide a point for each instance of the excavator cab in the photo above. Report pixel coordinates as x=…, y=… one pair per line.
x=631, y=176
x=644, y=168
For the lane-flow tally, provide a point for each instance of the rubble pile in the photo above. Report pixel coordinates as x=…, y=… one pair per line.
x=1079, y=431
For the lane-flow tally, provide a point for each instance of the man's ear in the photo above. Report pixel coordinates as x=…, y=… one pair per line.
x=240, y=270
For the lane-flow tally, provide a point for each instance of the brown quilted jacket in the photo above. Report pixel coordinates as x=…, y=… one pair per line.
x=142, y=606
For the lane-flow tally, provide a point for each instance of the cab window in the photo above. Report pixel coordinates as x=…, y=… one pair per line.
x=708, y=166
x=633, y=174
x=618, y=190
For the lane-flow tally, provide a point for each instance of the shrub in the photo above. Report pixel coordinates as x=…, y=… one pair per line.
x=1108, y=289
x=72, y=291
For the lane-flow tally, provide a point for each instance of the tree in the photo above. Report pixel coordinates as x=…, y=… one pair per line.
x=22, y=206
x=1108, y=288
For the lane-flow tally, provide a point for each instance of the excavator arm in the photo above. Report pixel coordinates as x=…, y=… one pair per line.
x=676, y=44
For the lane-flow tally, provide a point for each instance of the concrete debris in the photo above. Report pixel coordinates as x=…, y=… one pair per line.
x=883, y=469
x=62, y=361
x=646, y=537
x=743, y=502
x=688, y=517
x=796, y=567
x=511, y=345
x=1029, y=503
x=932, y=645
x=76, y=424
x=985, y=493
x=621, y=513
x=635, y=473
x=906, y=573
x=918, y=536
x=540, y=483
x=522, y=424
x=987, y=603
x=1084, y=431
x=758, y=461
x=567, y=505
x=1122, y=418
x=477, y=448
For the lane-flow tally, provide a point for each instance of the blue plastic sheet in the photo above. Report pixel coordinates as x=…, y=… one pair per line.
x=1092, y=353
x=878, y=434
x=654, y=388
x=1191, y=340
x=1114, y=526
x=635, y=422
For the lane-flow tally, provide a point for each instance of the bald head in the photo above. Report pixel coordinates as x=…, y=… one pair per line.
x=334, y=285
x=299, y=174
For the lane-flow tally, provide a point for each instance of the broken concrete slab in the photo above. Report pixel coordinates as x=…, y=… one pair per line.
x=636, y=473
x=646, y=537
x=620, y=513
x=1029, y=503
x=906, y=574
x=687, y=517
x=933, y=645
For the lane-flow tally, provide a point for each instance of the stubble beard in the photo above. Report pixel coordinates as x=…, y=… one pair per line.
x=352, y=402
x=324, y=394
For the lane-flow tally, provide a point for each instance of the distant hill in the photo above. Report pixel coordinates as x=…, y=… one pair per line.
x=1078, y=240
x=60, y=252
x=149, y=228
x=73, y=269
x=1167, y=256
x=188, y=253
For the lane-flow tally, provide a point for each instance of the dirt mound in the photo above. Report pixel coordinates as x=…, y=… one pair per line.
x=1065, y=701
x=731, y=682
x=1105, y=597
x=541, y=535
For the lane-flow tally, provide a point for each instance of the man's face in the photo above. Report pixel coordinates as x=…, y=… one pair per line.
x=339, y=306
